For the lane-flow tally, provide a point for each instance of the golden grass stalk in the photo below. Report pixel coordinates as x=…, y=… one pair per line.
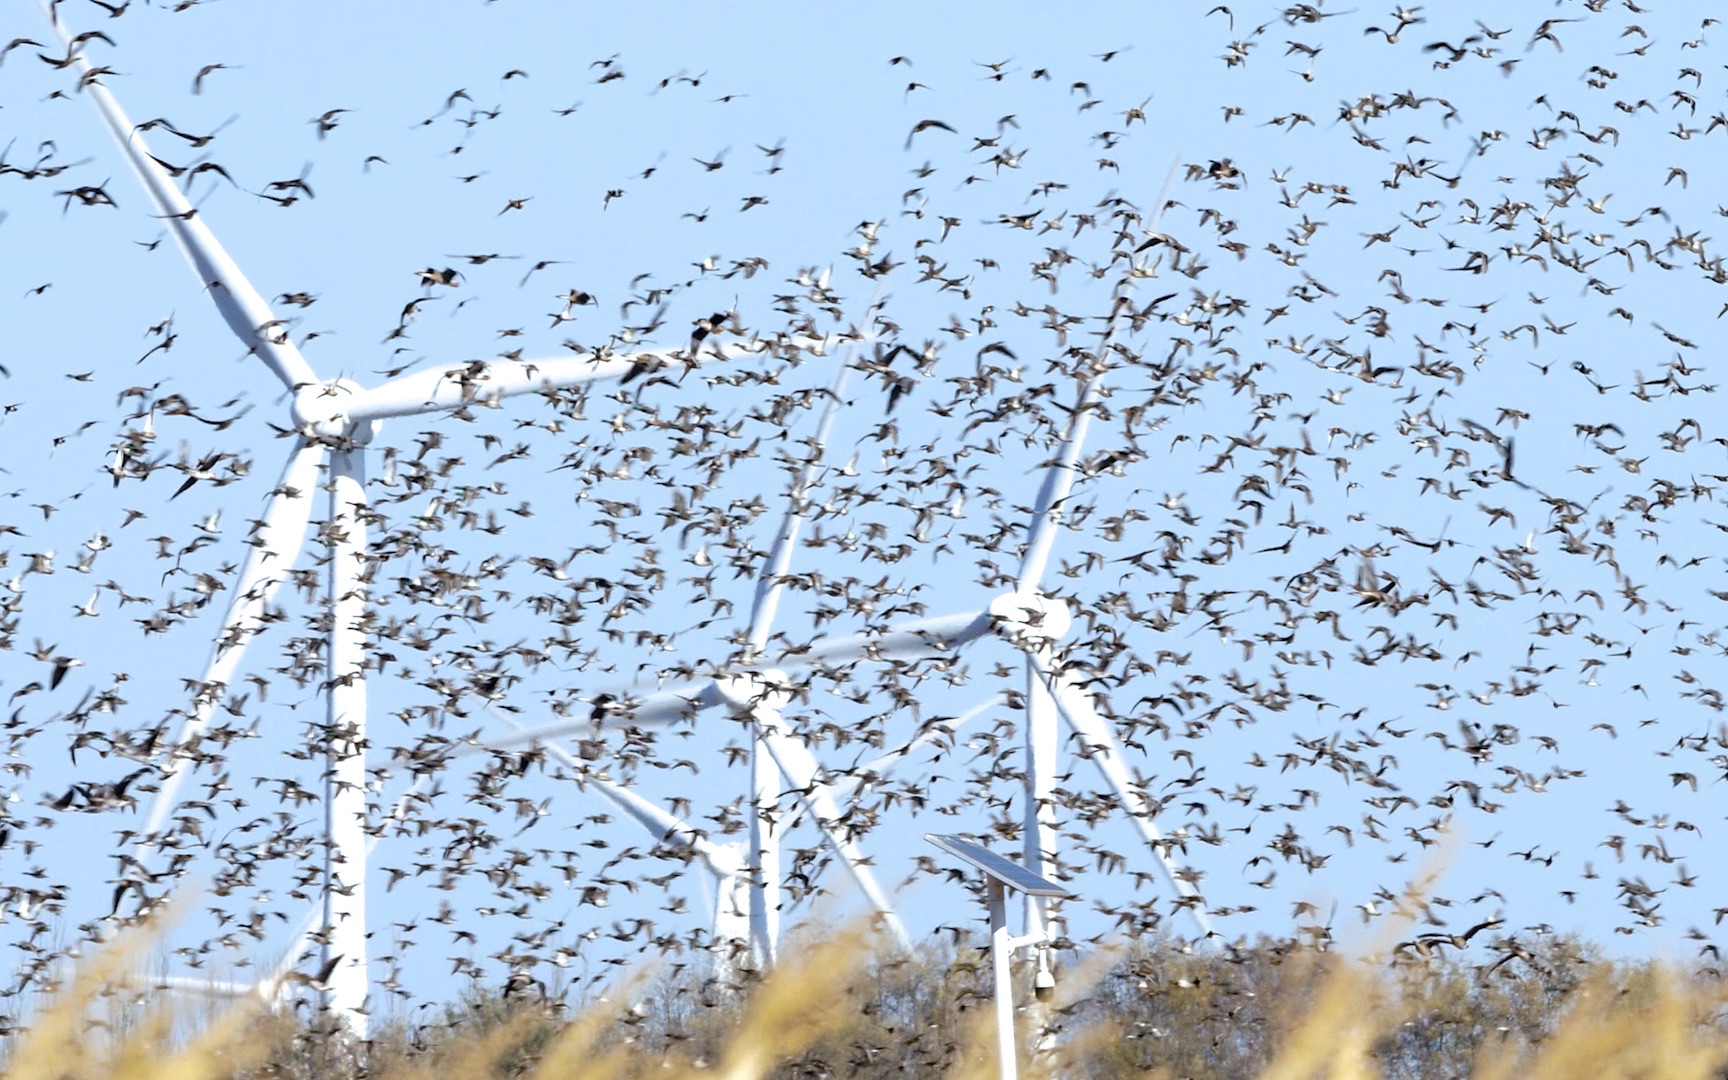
x=61, y=1042
x=797, y=1004
x=1647, y=1021
x=1656, y=1026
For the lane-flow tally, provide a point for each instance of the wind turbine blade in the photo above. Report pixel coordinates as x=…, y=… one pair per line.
x=485, y=383
x=939, y=728
x=771, y=583
x=666, y=707
x=936, y=729
x=269, y=557
x=206, y=988
x=1054, y=491
x=344, y=941
x=666, y=828
x=654, y=710
x=721, y=860
x=1059, y=478
x=241, y=307
x=920, y=639
x=725, y=862
x=765, y=819
x=1106, y=753
x=803, y=774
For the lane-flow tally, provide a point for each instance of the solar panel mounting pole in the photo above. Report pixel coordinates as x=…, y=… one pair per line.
x=1000, y=875
x=1001, y=959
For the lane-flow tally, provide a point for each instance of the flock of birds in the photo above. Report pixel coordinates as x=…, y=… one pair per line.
x=1313, y=559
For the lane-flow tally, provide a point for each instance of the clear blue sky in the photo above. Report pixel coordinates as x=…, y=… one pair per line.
x=1086, y=107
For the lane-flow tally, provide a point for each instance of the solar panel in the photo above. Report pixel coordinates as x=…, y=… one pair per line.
x=1009, y=873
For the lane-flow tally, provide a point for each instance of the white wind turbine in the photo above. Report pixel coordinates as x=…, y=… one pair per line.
x=338, y=418
x=1026, y=617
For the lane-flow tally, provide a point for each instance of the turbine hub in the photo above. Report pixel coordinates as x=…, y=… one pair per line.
x=747, y=691
x=1031, y=618
x=321, y=412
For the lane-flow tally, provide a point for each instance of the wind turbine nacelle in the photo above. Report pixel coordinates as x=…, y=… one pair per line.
x=1031, y=619
x=320, y=412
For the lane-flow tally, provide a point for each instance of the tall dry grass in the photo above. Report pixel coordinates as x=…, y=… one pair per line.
x=841, y=1007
